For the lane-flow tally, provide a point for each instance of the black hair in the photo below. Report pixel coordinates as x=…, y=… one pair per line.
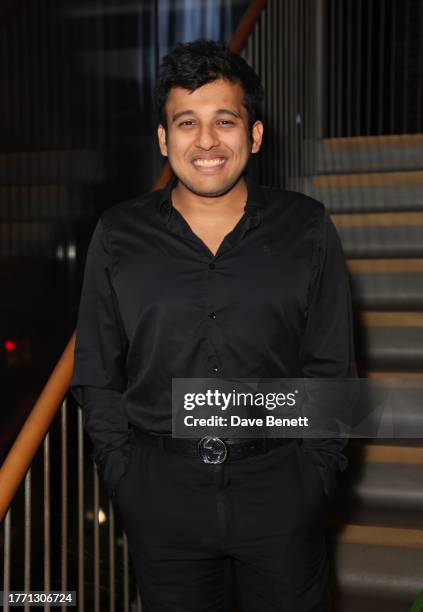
x=191, y=65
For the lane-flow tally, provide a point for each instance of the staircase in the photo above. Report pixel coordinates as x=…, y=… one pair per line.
x=373, y=188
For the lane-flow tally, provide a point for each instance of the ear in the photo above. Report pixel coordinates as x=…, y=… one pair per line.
x=161, y=135
x=256, y=136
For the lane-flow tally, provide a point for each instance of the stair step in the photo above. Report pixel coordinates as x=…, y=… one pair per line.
x=390, y=340
x=379, y=291
x=388, y=408
x=354, y=603
x=373, y=493
x=392, y=319
x=406, y=377
x=382, y=577
x=374, y=191
x=43, y=167
x=390, y=219
x=376, y=535
x=381, y=347
x=357, y=266
x=381, y=235
x=365, y=153
x=402, y=415
x=369, y=179
x=405, y=380
x=387, y=283
x=386, y=454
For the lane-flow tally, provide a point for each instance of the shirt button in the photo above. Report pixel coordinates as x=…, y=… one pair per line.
x=212, y=266
x=212, y=315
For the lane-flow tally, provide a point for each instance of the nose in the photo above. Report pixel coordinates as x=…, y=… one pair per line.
x=207, y=137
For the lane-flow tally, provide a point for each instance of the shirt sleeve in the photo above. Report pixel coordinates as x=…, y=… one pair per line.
x=99, y=379
x=327, y=349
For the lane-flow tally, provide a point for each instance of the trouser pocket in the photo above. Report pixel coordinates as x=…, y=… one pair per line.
x=311, y=477
x=129, y=464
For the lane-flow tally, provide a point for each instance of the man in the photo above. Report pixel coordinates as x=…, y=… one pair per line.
x=213, y=276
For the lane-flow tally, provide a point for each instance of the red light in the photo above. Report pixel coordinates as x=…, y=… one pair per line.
x=10, y=345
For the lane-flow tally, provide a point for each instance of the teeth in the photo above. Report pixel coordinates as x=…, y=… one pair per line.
x=209, y=163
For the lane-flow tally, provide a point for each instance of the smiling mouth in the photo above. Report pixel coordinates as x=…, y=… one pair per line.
x=209, y=163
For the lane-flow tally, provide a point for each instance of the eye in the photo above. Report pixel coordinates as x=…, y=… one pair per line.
x=187, y=123
x=225, y=122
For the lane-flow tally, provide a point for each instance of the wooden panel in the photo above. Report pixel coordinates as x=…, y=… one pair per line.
x=369, y=179
x=380, y=536
x=391, y=319
x=367, y=142
x=380, y=453
x=385, y=265
x=377, y=219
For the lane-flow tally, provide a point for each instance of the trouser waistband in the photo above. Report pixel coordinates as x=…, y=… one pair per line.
x=211, y=449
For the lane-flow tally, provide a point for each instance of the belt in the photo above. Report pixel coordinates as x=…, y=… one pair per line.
x=211, y=449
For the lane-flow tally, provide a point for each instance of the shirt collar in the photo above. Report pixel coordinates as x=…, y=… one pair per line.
x=253, y=207
x=255, y=200
x=165, y=198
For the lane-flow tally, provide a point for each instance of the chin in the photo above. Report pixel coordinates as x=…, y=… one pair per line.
x=209, y=193
x=201, y=188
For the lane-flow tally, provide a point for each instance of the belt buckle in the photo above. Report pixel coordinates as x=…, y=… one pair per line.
x=212, y=450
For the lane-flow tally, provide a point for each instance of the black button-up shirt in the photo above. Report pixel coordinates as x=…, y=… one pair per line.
x=274, y=302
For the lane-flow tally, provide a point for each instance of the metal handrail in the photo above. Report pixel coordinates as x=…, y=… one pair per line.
x=45, y=408
x=35, y=427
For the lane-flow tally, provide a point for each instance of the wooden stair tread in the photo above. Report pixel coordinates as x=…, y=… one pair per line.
x=390, y=319
x=370, y=266
x=383, y=453
x=379, y=536
x=366, y=142
x=372, y=219
x=369, y=179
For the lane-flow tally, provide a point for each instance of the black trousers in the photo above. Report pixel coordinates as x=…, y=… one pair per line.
x=184, y=517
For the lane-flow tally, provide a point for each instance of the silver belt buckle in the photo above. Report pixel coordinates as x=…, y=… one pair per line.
x=212, y=450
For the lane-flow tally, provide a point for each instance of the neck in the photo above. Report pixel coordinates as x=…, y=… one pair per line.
x=233, y=200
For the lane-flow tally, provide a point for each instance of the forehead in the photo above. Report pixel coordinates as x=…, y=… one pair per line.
x=207, y=98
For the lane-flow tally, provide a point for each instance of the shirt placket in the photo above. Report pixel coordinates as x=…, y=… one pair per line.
x=214, y=364
x=178, y=225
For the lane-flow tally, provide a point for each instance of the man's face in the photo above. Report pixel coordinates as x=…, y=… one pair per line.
x=208, y=141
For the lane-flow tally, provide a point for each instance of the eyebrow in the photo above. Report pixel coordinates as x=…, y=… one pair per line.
x=220, y=111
